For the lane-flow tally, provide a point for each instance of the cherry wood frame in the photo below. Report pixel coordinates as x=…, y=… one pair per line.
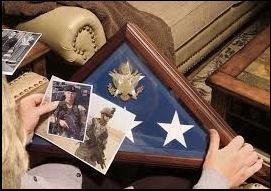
x=164, y=71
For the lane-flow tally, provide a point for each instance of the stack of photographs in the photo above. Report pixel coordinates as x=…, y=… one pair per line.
x=84, y=124
x=15, y=46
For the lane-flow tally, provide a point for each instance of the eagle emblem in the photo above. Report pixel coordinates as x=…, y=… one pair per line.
x=125, y=82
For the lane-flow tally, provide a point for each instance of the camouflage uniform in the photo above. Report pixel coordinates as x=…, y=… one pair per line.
x=75, y=118
x=92, y=150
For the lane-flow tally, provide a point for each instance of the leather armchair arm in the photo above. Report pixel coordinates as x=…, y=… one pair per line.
x=74, y=33
x=26, y=84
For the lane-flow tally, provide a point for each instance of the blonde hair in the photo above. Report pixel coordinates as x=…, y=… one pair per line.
x=14, y=156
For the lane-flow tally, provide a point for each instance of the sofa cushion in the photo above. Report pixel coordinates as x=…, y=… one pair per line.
x=199, y=26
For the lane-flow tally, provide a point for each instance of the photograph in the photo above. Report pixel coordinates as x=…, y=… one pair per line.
x=92, y=150
x=106, y=130
x=69, y=120
x=107, y=127
x=15, y=46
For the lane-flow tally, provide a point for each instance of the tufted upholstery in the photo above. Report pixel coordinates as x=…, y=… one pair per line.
x=74, y=33
x=28, y=83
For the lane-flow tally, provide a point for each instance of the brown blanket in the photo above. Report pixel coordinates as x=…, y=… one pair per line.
x=112, y=14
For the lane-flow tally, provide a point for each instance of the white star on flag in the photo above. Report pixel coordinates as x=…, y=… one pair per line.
x=132, y=125
x=129, y=133
x=175, y=130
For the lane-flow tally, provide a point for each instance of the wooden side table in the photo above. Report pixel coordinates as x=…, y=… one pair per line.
x=241, y=91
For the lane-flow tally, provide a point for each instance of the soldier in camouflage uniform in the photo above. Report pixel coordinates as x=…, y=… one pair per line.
x=92, y=150
x=69, y=119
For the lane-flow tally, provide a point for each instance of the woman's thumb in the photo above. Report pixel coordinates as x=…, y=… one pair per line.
x=214, y=141
x=46, y=108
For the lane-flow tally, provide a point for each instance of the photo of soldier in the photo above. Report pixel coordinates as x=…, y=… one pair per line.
x=69, y=118
x=106, y=128
x=15, y=46
x=92, y=150
x=23, y=46
x=9, y=39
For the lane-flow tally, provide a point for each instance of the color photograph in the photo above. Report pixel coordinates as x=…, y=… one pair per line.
x=69, y=120
x=107, y=125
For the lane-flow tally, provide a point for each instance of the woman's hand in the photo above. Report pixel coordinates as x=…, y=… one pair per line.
x=30, y=111
x=237, y=161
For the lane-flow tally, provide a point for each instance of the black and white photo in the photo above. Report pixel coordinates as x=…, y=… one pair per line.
x=69, y=120
x=15, y=46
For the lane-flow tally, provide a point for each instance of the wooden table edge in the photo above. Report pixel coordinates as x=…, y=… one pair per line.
x=225, y=82
x=248, y=54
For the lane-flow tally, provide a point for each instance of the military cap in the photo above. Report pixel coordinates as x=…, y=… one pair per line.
x=69, y=88
x=108, y=111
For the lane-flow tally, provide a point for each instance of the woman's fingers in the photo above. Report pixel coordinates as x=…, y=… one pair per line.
x=37, y=98
x=249, y=171
x=251, y=159
x=247, y=148
x=46, y=108
x=236, y=144
x=246, y=172
x=33, y=99
x=254, y=168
